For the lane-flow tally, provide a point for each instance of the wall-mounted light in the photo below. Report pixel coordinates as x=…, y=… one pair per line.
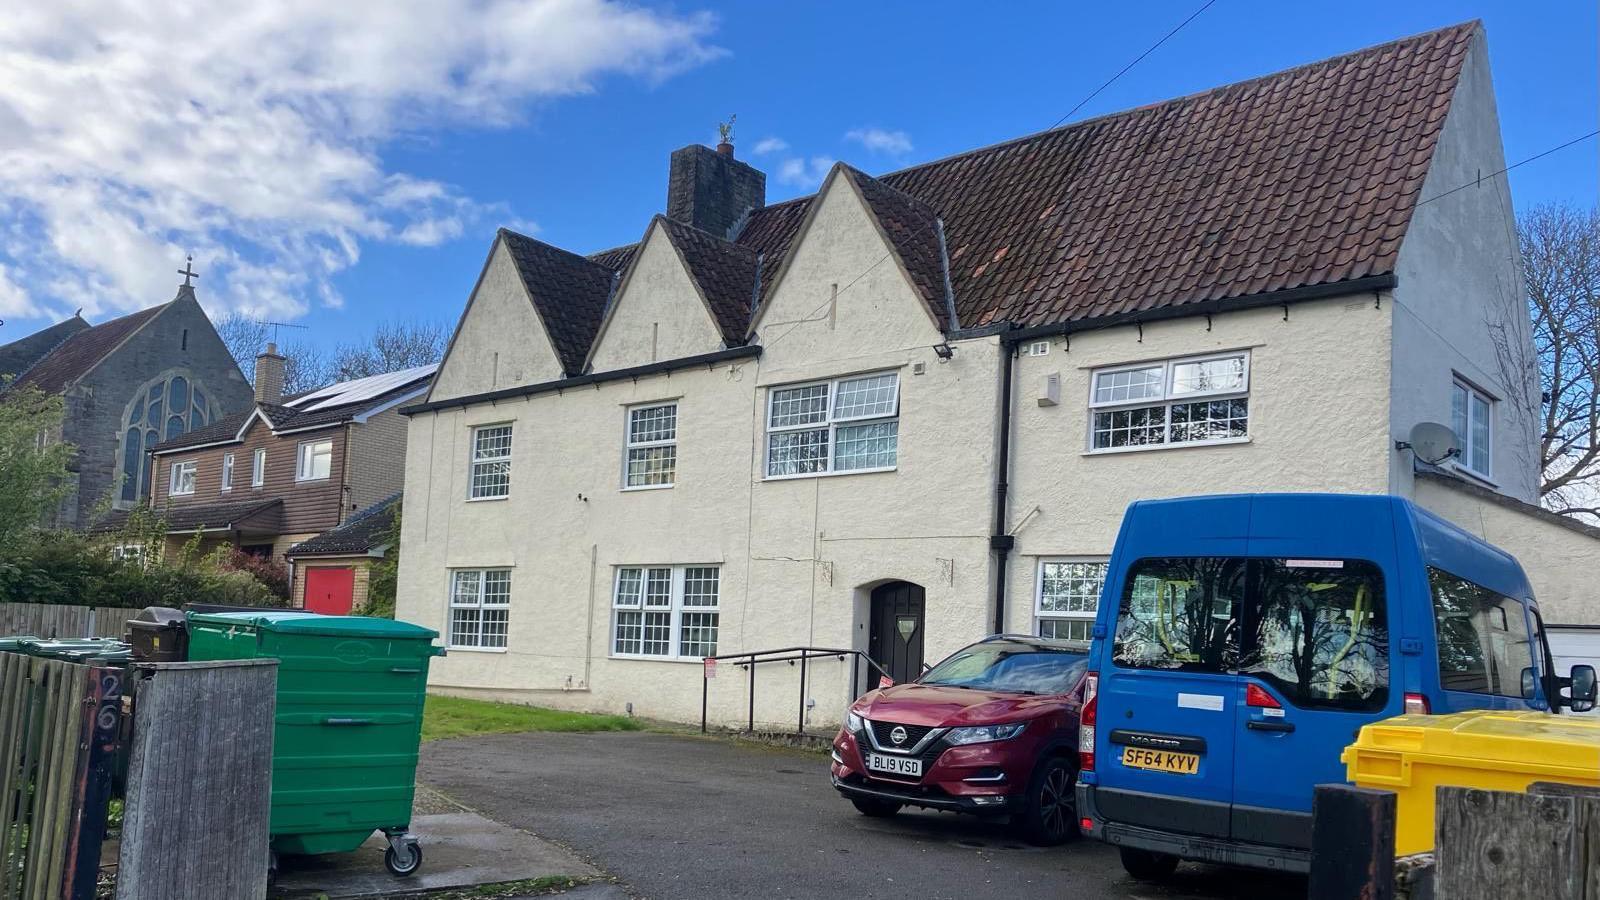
x=944, y=350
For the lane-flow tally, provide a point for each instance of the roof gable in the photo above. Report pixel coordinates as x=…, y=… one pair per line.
x=670, y=261
x=76, y=356
x=916, y=237
x=568, y=291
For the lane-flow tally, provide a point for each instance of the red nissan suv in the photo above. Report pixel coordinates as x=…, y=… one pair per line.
x=992, y=730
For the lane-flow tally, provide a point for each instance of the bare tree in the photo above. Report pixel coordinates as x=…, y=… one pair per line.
x=306, y=365
x=1561, y=268
x=392, y=347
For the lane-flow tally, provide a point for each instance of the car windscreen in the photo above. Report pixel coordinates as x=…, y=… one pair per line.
x=1010, y=668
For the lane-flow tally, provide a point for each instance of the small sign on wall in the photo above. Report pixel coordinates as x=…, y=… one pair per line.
x=711, y=667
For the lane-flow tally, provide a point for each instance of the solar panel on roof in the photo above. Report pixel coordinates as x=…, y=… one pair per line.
x=360, y=389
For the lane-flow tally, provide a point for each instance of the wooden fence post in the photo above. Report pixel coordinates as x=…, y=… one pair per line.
x=1494, y=845
x=199, y=781
x=1352, y=843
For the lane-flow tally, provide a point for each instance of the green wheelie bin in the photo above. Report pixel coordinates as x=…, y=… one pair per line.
x=348, y=726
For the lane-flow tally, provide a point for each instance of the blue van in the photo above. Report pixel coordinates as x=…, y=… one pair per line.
x=1242, y=641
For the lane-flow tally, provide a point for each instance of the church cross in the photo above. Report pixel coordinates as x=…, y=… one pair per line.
x=188, y=272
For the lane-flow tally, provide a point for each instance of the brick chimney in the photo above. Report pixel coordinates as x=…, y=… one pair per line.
x=711, y=190
x=269, y=376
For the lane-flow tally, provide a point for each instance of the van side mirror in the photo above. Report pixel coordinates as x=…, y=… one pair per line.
x=1584, y=688
x=1530, y=683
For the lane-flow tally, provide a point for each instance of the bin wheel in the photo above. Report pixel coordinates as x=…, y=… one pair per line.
x=405, y=862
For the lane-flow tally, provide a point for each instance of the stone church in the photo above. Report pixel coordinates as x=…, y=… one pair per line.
x=129, y=383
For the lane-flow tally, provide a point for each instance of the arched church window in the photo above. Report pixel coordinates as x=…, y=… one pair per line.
x=167, y=407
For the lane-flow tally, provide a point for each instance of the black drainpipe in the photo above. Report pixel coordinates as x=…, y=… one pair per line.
x=999, y=541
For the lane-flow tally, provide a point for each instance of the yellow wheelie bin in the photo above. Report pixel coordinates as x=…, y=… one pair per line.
x=1497, y=750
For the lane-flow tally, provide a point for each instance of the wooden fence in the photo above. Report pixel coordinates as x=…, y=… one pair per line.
x=1489, y=845
x=49, y=620
x=60, y=725
x=199, y=782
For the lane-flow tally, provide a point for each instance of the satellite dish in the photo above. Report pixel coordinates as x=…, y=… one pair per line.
x=1433, y=443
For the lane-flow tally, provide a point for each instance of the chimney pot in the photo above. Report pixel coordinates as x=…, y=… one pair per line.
x=269, y=375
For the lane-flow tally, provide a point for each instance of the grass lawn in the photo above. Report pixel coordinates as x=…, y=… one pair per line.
x=448, y=717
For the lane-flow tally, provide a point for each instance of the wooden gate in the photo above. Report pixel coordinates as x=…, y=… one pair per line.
x=59, y=728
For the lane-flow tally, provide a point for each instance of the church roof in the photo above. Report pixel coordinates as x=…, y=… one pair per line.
x=23, y=354
x=82, y=350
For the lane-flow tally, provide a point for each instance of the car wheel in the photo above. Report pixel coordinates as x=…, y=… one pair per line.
x=1147, y=865
x=1049, y=812
x=876, y=809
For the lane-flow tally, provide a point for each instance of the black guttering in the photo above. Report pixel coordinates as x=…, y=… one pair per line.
x=595, y=378
x=999, y=540
x=1369, y=284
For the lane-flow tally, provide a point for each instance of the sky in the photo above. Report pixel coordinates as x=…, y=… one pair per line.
x=341, y=164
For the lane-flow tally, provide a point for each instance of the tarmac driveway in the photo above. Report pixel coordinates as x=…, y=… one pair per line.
x=683, y=817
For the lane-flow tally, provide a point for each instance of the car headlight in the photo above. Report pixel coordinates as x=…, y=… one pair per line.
x=853, y=723
x=980, y=734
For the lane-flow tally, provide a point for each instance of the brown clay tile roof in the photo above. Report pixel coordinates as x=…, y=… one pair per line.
x=913, y=231
x=1303, y=177
x=569, y=292
x=75, y=356
x=769, y=231
x=1299, y=178
x=616, y=259
x=725, y=272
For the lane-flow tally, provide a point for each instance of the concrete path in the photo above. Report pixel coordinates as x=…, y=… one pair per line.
x=459, y=849
x=681, y=817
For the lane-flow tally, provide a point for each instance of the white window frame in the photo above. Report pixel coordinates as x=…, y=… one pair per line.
x=831, y=422
x=480, y=604
x=189, y=465
x=474, y=461
x=258, y=467
x=1463, y=461
x=227, y=471
x=1041, y=615
x=1166, y=400
x=673, y=607
x=134, y=553
x=630, y=444
x=305, y=460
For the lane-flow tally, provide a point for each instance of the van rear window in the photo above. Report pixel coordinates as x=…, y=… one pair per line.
x=1318, y=632
x=1315, y=629
x=1181, y=614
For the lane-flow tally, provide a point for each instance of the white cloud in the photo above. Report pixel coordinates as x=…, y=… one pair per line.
x=879, y=140
x=806, y=173
x=134, y=131
x=14, y=301
x=769, y=145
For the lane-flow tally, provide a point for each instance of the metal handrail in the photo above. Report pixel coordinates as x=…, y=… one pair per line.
x=750, y=659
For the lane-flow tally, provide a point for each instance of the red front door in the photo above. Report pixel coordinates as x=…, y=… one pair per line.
x=330, y=591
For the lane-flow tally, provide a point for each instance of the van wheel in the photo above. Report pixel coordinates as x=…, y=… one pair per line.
x=1147, y=865
x=875, y=809
x=1048, y=815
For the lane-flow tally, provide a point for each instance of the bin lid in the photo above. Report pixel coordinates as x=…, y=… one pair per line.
x=1512, y=736
x=288, y=621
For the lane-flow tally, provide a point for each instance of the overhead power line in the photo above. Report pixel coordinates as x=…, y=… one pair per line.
x=834, y=296
x=1576, y=140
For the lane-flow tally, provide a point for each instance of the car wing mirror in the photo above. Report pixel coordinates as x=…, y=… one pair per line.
x=1530, y=684
x=1584, y=688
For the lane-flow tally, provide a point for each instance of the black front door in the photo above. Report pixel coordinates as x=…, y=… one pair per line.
x=895, y=637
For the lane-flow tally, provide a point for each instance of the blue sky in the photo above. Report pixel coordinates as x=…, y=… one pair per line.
x=578, y=155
